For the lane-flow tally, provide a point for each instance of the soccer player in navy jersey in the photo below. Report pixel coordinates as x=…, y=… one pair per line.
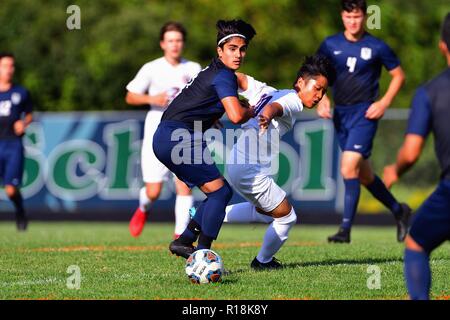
x=430, y=112
x=15, y=116
x=213, y=92
x=358, y=58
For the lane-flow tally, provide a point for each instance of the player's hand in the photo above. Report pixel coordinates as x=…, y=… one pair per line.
x=390, y=175
x=376, y=110
x=324, y=109
x=160, y=100
x=19, y=128
x=263, y=122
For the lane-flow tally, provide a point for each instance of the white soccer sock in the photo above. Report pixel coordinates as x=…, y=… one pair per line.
x=244, y=212
x=144, y=201
x=182, y=217
x=276, y=235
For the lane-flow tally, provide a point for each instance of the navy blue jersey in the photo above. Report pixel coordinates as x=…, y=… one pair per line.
x=358, y=66
x=13, y=104
x=200, y=99
x=430, y=111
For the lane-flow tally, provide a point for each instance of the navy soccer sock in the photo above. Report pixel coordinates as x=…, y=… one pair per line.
x=17, y=200
x=204, y=242
x=378, y=189
x=191, y=233
x=352, y=192
x=417, y=274
x=213, y=211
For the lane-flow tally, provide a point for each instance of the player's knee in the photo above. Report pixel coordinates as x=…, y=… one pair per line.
x=411, y=244
x=224, y=193
x=283, y=224
x=11, y=191
x=153, y=193
x=366, y=180
x=349, y=172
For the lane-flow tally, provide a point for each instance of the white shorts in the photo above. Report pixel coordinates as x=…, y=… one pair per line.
x=255, y=186
x=153, y=171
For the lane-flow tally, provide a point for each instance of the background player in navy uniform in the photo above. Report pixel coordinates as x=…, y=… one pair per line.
x=201, y=104
x=15, y=116
x=358, y=58
x=430, y=112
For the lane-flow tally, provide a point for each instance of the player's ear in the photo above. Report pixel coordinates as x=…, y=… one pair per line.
x=300, y=84
x=443, y=47
x=219, y=52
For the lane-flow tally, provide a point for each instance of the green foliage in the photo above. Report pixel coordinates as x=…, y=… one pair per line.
x=88, y=69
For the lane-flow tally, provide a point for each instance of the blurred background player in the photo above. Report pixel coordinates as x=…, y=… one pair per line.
x=156, y=84
x=430, y=112
x=213, y=92
x=251, y=174
x=15, y=116
x=358, y=58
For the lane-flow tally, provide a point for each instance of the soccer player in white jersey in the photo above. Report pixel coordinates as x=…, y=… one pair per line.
x=250, y=172
x=156, y=84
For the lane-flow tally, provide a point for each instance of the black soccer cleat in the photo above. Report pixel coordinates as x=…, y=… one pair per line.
x=342, y=236
x=181, y=249
x=22, y=224
x=403, y=222
x=271, y=265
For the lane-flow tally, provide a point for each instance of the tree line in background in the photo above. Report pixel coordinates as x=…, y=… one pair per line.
x=88, y=69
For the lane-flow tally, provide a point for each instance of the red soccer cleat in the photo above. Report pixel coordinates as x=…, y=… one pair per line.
x=137, y=223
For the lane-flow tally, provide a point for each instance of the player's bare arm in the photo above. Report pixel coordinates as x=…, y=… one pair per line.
x=269, y=112
x=235, y=111
x=160, y=100
x=408, y=154
x=242, y=81
x=378, y=108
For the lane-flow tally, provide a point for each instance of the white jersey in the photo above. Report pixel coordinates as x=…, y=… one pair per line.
x=260, y=95
x=160, y=76
x=153, y=78
x=253, y=159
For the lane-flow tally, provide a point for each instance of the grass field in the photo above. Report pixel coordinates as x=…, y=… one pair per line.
x=113, y=265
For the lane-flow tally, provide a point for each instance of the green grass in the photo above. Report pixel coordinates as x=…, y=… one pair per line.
x=33, y=265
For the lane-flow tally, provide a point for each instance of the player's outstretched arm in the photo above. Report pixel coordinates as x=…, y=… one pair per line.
x=378, y=108
x=135, y=99
x=235, y=111
x=408, y=154
x=242, y=81
x=269, y=112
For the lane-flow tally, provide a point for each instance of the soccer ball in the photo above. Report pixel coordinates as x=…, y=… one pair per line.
x=204, y=266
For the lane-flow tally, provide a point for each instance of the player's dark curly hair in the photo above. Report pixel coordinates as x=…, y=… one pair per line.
x=316, y=65
x=446, y=31
x=350, y=5
x=225, y=28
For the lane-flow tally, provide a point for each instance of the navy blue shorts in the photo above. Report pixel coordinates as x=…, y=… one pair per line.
x=11, y=162
x=431, y=224
x=185, y=153
x=354, y=131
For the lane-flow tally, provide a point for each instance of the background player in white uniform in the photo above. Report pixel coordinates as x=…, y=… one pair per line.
x=156, y=84
x=250, y=172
